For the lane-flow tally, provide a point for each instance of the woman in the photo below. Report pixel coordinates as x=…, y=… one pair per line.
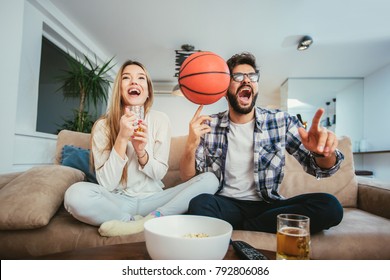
x=130, y=164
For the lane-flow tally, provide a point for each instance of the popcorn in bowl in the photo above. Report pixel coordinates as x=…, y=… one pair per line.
x=196, y=235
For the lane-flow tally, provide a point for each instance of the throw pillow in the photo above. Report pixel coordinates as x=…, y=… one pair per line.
x=78, y=158
x=32, y=198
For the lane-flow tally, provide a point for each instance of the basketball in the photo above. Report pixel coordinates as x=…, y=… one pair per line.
x=204, y=78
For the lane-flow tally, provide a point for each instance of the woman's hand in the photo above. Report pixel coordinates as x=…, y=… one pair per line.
x=139, y=138
x=126, y=125
x=126, y=132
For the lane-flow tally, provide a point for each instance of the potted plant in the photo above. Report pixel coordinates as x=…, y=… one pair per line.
x=90, y=83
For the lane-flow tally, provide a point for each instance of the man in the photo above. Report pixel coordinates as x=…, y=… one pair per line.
x=245, y=147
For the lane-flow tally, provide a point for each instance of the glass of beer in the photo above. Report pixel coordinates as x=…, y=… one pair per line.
x=293, y=237
x=138, y=110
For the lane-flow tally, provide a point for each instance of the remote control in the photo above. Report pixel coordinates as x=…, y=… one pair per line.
x=246, y=251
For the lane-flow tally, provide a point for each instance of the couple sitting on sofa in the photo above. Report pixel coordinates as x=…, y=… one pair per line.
x=131, y=162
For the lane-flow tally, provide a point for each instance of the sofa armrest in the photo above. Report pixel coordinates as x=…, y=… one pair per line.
x=374, y=199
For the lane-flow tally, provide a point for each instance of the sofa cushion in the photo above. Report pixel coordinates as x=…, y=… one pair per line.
x=74, y=138
x=343, y=184
x=63, y=233
x=32, y=198
x=172, y=178
x=78, y=158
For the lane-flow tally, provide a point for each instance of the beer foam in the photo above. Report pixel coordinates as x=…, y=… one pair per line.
x=293, y=231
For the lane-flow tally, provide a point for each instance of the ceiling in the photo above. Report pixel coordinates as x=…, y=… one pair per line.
x=351, y=37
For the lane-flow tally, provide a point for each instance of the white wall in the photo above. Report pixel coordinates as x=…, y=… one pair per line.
x=377, y=124
x=313, y=93
x=349, y=112
x=26, y=113
x=31, y=147
x=376, y=109
x=180, y=111
x=10, y=49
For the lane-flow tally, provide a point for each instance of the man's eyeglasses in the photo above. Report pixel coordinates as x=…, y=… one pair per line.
x=239, y=77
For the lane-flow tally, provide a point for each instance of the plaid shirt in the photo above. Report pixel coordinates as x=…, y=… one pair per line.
x=275, y=132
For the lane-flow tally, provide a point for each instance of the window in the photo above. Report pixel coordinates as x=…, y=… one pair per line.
x=53, y=109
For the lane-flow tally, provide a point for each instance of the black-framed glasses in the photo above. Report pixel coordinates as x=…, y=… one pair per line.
x=239, y=77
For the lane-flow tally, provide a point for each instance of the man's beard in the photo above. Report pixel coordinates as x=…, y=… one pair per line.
x=232, y=98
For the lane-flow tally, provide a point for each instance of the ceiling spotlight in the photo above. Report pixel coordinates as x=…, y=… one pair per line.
x=305, y=43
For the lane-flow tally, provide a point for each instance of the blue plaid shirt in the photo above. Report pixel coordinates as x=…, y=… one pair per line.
x=275, y=132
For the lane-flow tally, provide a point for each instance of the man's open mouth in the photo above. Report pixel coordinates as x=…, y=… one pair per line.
x=244, y=94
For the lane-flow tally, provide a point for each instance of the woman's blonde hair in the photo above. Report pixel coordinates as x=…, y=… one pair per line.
x=116, y=108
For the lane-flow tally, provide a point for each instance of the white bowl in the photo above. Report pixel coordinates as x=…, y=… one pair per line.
x=167, y=238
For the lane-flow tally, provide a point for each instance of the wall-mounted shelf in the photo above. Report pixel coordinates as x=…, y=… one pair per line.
x=371, y=152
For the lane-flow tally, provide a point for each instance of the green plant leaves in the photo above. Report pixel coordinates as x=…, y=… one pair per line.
x=87, y=80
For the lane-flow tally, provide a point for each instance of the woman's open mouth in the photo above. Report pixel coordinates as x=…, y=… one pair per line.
x=134, y=92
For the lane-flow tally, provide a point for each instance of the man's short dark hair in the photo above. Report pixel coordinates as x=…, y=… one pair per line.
x=242, y=58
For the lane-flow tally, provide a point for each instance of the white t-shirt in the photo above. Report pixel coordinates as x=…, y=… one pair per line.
x=140, y=181
x=239, y=178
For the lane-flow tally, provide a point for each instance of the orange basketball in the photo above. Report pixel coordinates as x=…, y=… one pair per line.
x=204, y=78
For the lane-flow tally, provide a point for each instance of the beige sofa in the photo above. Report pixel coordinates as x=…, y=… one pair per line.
x=34, y=223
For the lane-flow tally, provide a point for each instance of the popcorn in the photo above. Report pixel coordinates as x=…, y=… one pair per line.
x=196, y=235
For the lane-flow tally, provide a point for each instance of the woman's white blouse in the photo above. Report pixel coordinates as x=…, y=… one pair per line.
x=140, y=181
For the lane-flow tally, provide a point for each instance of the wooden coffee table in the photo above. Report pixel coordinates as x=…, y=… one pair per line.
x=128, y=251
